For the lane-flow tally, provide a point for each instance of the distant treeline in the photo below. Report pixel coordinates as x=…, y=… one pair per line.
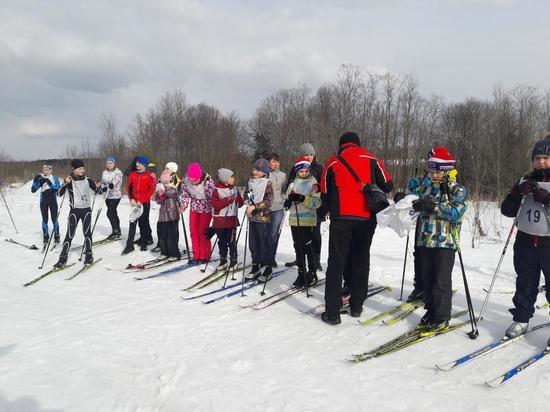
x=491, y=138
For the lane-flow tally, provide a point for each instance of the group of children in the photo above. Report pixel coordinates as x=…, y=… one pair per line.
x=440, y=203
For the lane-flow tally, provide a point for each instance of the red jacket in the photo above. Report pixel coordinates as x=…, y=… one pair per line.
x=140, y=186
x=221, y=199
x=341, y=193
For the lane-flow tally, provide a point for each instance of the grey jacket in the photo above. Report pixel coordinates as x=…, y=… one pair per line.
x=113, y=176
x=277, y=179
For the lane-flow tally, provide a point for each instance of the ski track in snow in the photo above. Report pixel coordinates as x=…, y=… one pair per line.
x=104, y=342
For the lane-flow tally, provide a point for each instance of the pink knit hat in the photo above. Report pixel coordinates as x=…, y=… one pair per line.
x=194, y=171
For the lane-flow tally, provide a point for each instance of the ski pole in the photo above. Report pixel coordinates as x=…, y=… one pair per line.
x=493, y=280
x=244, y=258
x=404, y=267
x=236, y=246
x=9, y=212
x=53, y=230
x=185, y=238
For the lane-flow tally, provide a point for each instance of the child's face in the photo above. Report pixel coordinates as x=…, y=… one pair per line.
x=436, y=176
x=231, y=181
x=140, y=167
x=46, y=171
x=303, y=173
x=109, y=165
x=79, y=171
x=257, y=173
x=274, y=164
x=541, y=162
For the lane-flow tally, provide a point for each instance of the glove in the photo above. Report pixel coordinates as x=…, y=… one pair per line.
x=296, y=197
x=210, y=232
x=159, y=187
x=452, y=175
x=287, y=203
x=526, y=187
x=424, y=205
x=413, y=184
x=398, y=196
x=541, y=196
x=103, y=189
x=111, y=186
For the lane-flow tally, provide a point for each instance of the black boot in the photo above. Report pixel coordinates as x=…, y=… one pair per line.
x=89, y=259
x=311, y=278
x=331, y=320
x=299, y=282
x=61, y=262
x=129, y=249
x=416, y=294
x=266, y=275
x=290, y=264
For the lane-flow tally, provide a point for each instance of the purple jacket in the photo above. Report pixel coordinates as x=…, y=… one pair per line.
x=168, y=201
x=198, y=196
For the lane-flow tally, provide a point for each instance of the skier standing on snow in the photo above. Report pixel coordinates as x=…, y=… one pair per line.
x=276, y=213
x=166, y=195
x=80, y=189
x=171, y=168
x=258, y=201
x=196, y=192
x=48, y=184
x=441, y=205
x=111, y=182
x=140, y=191
x=303, y=198
x=352, y=224
x=316, y=170
x=226, y=200
x=529, y=199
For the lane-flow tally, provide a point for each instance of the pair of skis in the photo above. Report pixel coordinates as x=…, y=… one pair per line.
x=55, y=270
x=492, y=347
x=214, y=276
x=394, y=314
x=319, y=309
x=31, y=247
x=171, y=271
x=412, y=337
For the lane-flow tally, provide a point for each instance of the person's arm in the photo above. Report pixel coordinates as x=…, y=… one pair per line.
x=266, y=202
x=381, y=176
x=37, y=183
x=455, y=207
x=512, y=201
x=327, y=186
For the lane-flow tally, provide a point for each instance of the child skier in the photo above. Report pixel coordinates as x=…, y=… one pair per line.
x=226, y=200
x=529, y=199
x=48, y=184
x=80, y=189
x=140, y=191
x=259, y=199
x=166, y=195
x=303, y=198
x=441, y=203
x=196, y=192
x=111, y=183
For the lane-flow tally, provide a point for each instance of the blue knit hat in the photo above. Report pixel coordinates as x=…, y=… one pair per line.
x=110, y=159
x=262, y=165
x=144, y=160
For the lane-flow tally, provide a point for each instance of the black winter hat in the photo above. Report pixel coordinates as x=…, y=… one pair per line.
x=349, y=137
x=541, y=148
x=76, y=163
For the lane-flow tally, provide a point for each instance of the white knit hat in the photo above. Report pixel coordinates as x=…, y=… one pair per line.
x=172, y=166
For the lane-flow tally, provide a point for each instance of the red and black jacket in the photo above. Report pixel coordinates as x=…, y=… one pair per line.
x=341, y=193
x=140, y=186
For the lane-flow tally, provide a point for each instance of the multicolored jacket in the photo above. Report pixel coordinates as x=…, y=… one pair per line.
x=260, y=194
x=168, y=201
x=435, y=230
x=226, y=200
x=307, y=214
x=198, y=196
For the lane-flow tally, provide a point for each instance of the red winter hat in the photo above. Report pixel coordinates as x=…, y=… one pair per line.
x=439, y=159
x=302, y=163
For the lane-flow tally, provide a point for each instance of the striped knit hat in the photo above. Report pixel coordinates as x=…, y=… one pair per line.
x=301, y=163
x=439, y=159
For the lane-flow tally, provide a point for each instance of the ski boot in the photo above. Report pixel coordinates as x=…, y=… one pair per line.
x=61, y=262
x=266, y=275
x=311, y=278
x=89, y=259
x=290, y=264
x=416, y=294
x=156, y=249
x=254, y=272
x=129, y=249
x=424, y=321
x=222, y=265
x=299, y=282
x=516, y=329
x=437, y=326
x=331, y=320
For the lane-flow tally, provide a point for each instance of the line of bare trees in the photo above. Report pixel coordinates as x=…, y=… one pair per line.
x=491, y=138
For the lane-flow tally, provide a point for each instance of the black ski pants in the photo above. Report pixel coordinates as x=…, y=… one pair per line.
x=436, y=267
x=144, y=227
x=168, y=238
x=112, y=214
x=226, y=242
x=48, y=203
x=529, y=261
x=76, y=215
x=348, y=239
x=302, y=237
x=259, y=243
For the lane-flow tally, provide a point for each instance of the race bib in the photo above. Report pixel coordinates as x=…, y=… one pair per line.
x=534, y=217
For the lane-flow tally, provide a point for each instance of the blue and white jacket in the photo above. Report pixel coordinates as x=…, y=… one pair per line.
x=48, y=186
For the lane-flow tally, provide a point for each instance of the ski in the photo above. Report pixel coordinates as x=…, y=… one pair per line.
x=277, y=297
x=84, y=269
x=170, y=271
x=249, y=285
x=50, y=272
x=505, y=377
x=31, y=247
x=319, y=309
x=96, y=243
x=150, y=264
x=212, y=277
x=545, y=306
x=213, y=292
x=405, y=340
x=389, y=312
x=488, y=349
x=405, y=313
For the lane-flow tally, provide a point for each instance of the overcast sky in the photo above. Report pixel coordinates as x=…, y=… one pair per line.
x=64, y=63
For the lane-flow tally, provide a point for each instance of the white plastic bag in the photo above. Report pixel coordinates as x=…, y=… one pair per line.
x=135, y=213
x=400, y=216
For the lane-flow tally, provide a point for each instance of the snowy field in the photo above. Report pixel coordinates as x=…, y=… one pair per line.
x=105, y=342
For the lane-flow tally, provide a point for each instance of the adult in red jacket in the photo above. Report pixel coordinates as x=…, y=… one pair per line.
x=140, y=189
x=352, y=223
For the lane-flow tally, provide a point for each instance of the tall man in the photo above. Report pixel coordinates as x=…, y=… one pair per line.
x=352, y=223
x=276, y=212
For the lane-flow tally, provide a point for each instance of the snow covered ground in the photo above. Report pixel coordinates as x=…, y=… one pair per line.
x=105, y=342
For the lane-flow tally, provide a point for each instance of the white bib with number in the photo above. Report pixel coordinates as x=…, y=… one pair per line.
x=534, y=217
